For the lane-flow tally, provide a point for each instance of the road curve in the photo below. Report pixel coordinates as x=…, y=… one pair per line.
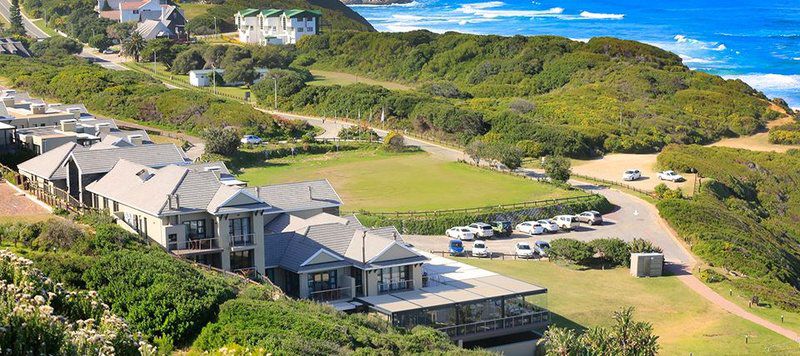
x=30, y=28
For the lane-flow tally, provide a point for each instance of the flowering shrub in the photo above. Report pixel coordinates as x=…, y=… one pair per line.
x=39, y=316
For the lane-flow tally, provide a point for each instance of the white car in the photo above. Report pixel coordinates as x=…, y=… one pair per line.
x=460, y=232
x=631, y=174
x=523, y=250
x=671, y=176
x=481, y=230
x=541, y=248
x=566, y=222
x=251, y=139
x=109, y=51
x=479, y=249
x=530, y=227
x=549, y=225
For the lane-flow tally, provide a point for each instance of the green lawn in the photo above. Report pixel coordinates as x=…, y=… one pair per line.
x=791, y=320
x=323, y=77
x=192, y=10
x=685, y=322
x=46, y=29
x=374, y=180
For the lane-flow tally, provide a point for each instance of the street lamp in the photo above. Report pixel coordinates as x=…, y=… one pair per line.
x=214, y=77
x=275, y=80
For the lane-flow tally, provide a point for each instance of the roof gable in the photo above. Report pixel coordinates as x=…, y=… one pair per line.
x=303, y=13
x=247, y=12
x=394, y=251
x=49, y=165
x=321, y=256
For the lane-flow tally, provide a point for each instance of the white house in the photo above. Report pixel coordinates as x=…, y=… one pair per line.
x=204, y=78
x=273, y=26
x=139, y=11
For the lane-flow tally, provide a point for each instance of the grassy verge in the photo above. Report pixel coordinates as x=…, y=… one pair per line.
x=182, y=81
x=791, y=320
x=46, y=29
x=685, y=322
x=192, y=10
x=324, y=77
x=374, y=180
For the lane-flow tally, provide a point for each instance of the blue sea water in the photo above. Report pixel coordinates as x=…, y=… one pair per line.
x=756, y=41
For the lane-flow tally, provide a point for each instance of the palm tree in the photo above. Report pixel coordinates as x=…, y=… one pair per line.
x=133, y=46
x=561, y=342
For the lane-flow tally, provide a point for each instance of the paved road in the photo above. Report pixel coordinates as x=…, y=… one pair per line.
x=32, y=30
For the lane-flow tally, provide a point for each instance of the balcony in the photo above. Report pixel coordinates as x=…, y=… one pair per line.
x=392, y=286
x=512, y=322
x=195, y=246
x=329, y=295
x=243, y=241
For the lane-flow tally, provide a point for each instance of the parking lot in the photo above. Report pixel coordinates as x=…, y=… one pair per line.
x=634, y=220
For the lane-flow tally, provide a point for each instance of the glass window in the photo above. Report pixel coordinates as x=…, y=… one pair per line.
x=197, y=228
x=239, y=227
x=322, y=281
x=172, y=241
x=242, y=259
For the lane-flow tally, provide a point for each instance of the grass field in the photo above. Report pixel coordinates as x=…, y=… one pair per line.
x=192, y=10
x=43, y=26
x=323, y=77
x=791, y=320
x=371, y=179
x=685, y=322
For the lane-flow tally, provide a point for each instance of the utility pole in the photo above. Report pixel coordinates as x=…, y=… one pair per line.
x=215, y=26
x=154, y=62
x=214, y=77
x=275, y=80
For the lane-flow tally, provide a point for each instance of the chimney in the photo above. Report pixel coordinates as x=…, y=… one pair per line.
x=38, y=109
x=135, y=139
x=68, y=125
x=169, y=201
x=177, y=201
x=102, y=128
x=8, y=101
x=76, y=112
x=258, y=192
x=310, y=195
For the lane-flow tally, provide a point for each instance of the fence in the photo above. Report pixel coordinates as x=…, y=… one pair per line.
x=613, y=183
x=479, y=210
x=493, y=255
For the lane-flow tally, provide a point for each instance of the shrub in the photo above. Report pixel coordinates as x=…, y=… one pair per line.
x=557, y=168
x=664, y=192
x=100, y=42
x=56, y=46
x=571, y=250
x=58, y=234
x=711, y=276
x=638, y=245
x=224, y=141
x=358, y=132
x=613, y=251
x=394, y=141
x=521, y=106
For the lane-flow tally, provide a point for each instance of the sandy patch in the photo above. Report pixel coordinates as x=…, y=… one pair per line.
x=611, y=167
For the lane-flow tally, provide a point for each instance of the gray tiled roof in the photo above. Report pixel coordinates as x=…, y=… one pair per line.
x=49, y=164
x=101, y=161
x=308, y=195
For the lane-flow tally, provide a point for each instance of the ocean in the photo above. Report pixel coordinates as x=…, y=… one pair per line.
x=756, y=41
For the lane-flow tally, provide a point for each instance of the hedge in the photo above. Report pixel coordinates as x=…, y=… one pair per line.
x=438, y=223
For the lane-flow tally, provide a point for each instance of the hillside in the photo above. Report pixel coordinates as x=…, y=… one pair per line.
x=569, y=97
x=745, y=217
x=335, y=15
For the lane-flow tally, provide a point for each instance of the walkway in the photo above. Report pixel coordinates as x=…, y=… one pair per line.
x=15, y=203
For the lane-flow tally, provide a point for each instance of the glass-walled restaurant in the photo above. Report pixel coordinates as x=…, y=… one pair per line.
x=468, y=310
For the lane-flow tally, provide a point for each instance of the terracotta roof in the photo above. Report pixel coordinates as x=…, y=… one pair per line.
x=132, y=5
x=111, y=15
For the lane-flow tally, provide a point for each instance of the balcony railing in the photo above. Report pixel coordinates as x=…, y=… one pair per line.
x=243, y=240
x=194, y=245
x=533, y=318
x=392, y=286
x=328, y=295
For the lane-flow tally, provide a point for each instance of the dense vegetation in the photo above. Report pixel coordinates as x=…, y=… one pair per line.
x=128, y=95
x=787, y=134
x=335, y=15
x=573, y=98
x=609, y=252
x=171, y=301
x=74, y=17
x=745, y=218
x=626, y=337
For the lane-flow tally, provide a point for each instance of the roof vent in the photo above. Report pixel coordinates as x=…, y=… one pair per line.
x=144, y=175
x=135, y=139
x=102, y=128
x=38, y=109
x=212, y=168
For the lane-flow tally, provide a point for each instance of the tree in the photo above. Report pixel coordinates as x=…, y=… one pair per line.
x=557, y=168
x=475, y=150
x=224, y=141
x=187, y=60
x=626, y=337
x=120, y=31
x=133, y=46
x=394, y=141
x=578, y=252
x=561, y=342
x=509, y=155
x=16, y=18
x=614, y=251
x=241, y=71
x=56, y=46
x=163, y=50
x=101, y=42
x=629, y=337
x=213, y=55
x=233, y=55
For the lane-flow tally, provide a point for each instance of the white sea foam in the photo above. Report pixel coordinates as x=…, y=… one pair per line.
x=692, y=60
x=489, y=10
x=769, y=81
x=410, y=4
x=601, y=16
x=691, y=42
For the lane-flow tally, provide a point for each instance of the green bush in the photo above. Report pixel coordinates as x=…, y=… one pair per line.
x=220, y=140
x=575, y=251
x=711, y=276
x=613, y=251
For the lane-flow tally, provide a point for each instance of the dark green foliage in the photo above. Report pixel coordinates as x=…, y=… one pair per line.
x=613, y=251
x=224, y=141
x=16, y=18
x=626, y=337
x=643, y=246
x=188, y=60
x=507, y=154
x=664, y=192
x=100, y=42
x=604, y=95
x=240, y=72
x=558, y=168
x=358, y=132
x=157, y=294
x=133, y=96
x=56, y=46
x=289, y=82
x=436, y=224
x=744, y=218
x=76, y=18
x=711, y=276
x=575, y=251
x=307, y=328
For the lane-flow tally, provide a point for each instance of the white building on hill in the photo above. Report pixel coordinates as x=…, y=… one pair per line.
x=273, y=26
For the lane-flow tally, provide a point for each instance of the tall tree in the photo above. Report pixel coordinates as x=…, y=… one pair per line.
x=16, y=18
x=133, y=46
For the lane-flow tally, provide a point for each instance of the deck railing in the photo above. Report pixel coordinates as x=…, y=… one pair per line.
x=243, y=240
x=195, y=244
x=392, y=286
x=533, y=318
x=328, y=295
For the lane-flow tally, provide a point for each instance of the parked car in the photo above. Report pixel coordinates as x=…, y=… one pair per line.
x=479, y=249
x=566, y=222
x=591, y=217
x=631, y=174
x=481, y=230
x=671, y=176
x=109, y=51
x=251, y=139
x=523, y=250
x=456, y=248
x=460, y=232
x=549, y=225
x=502, y=228
x=541, y=247
x=530, y=227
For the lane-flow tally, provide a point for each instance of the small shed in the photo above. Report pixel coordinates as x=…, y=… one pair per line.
x=647, y=264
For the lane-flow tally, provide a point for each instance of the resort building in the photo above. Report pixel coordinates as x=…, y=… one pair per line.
x=273, y=26
x=155, y=18
x=205, y=77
